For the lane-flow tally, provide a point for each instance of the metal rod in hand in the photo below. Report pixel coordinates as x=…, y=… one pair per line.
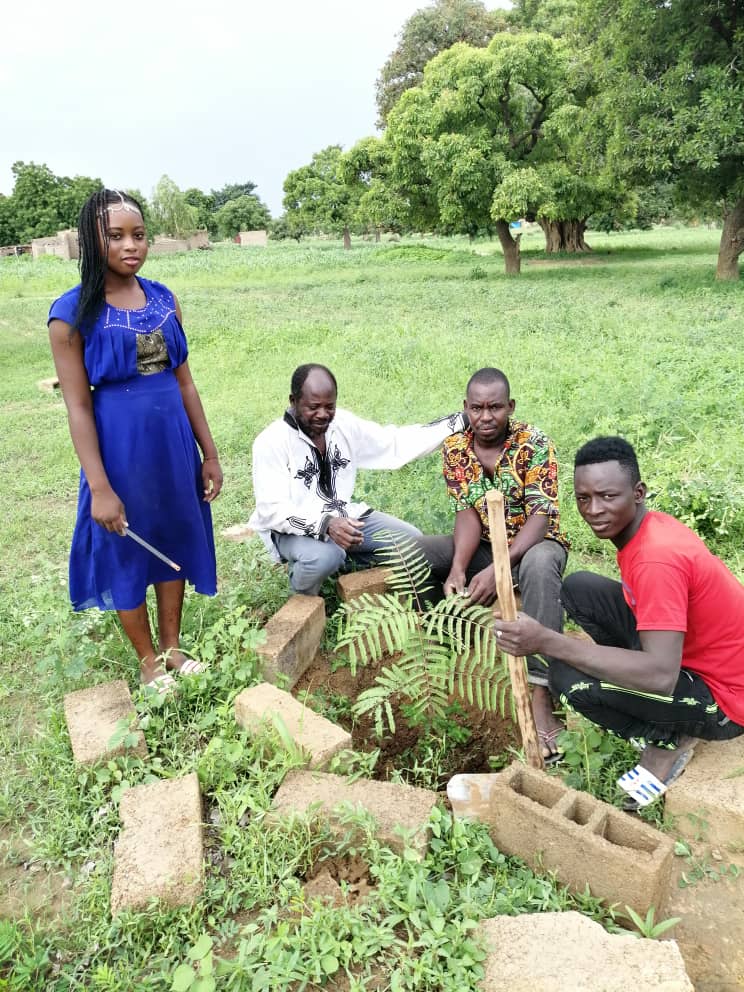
x=507, y=607
x=153, y=551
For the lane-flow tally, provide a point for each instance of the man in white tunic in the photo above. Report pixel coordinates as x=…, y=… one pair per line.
x=304, y=470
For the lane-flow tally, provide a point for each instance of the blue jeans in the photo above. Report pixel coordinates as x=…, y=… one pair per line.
x=311, y=562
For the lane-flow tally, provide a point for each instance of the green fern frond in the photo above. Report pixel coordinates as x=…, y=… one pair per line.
x=410, y=574
x=447, y=650
x=372, y=626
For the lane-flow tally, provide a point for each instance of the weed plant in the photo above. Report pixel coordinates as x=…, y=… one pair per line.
x=634, y=339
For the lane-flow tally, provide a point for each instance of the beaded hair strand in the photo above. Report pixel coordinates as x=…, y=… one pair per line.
x=93, y=238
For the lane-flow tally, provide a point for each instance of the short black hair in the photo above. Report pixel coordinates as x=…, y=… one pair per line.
x=300, y=374
x=486, y=377
x=610, y=449
x=93, y=240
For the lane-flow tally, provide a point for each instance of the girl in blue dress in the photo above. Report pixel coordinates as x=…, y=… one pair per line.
x=135, y=418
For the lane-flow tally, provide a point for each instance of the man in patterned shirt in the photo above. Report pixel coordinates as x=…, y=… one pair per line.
x=497, y=452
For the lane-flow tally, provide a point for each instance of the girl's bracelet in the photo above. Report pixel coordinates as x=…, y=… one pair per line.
x=212, y=458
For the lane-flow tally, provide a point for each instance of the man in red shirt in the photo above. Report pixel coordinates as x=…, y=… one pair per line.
x=667, y=665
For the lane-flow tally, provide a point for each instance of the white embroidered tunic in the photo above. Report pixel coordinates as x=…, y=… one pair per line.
x=298, y=490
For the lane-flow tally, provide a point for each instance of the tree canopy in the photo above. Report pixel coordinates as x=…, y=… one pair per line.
x=366, y=168
x=231, y=191
x=556, y=17
x=244, y=213
x=489, y=137
x=670, y=101
x=320, y=197
x=41, y=203
x=172, y=215
x=426, y=33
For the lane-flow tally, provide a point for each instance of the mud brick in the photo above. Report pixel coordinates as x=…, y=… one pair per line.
x=238, y=532
x=392, y=806
x=707, y=802
x=320, y=739
x=369, y=580
x=159, y=853
x=293, y=636
x=92, y=715
x=566, y=952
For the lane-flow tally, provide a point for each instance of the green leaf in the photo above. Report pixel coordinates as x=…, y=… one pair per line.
x=201, y=947
x=329, y=964
x=183, y=978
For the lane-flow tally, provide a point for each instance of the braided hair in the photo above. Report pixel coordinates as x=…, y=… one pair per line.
x=93, y=238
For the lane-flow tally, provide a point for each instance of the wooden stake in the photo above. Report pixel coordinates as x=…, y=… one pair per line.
x=507, y=607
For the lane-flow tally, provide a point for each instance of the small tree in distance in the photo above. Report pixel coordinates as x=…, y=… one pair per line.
x=245, y=213
x=319, y=198
x=172, y=215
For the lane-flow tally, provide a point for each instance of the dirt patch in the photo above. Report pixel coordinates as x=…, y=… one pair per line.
x=711, y=927
x=562, y=263
x=340, y=881
x=26, y=886
x=333, y=692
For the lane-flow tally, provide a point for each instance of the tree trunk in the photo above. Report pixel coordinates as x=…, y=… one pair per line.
x=347, y=238
x=564, y=235
x=510, y=247
x=732, y=242
x=377, y=234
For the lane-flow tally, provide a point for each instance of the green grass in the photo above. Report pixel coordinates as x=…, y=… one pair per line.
x=636, y=338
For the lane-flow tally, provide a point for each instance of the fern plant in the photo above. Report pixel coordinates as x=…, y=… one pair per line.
x=435, y=652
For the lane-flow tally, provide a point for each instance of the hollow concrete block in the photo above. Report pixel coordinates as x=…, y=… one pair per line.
x=583, y=840
x=261, y=705
x=369, y=580
x=92, y=715
x=707, y=802
x=293, y=636
x=566, y=952
x=159, y=853
x=393, y=806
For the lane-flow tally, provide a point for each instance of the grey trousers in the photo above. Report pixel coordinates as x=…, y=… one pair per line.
x=538, y=576
x=311, y=562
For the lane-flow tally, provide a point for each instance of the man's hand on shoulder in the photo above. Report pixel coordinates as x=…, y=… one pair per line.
x=346, y=533
x=482, y=588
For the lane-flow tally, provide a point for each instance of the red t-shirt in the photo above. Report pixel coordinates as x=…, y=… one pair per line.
x=672, y=582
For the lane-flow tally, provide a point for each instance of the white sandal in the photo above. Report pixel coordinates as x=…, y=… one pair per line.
x=644, y=788
x=191, y=667
x=162, y=685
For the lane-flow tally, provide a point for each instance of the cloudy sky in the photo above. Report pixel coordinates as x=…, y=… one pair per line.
x=206, y=91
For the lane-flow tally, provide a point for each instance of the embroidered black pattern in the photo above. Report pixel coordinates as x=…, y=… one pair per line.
x=329, y=466
x=335, y=504
x=454, y=421
x=309, y=472
x=320, y=470
x=299, y=523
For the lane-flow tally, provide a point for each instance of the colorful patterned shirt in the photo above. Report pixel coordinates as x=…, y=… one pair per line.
x=526, y=474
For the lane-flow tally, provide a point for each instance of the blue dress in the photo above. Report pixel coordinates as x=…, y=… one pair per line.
x=149, y=453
